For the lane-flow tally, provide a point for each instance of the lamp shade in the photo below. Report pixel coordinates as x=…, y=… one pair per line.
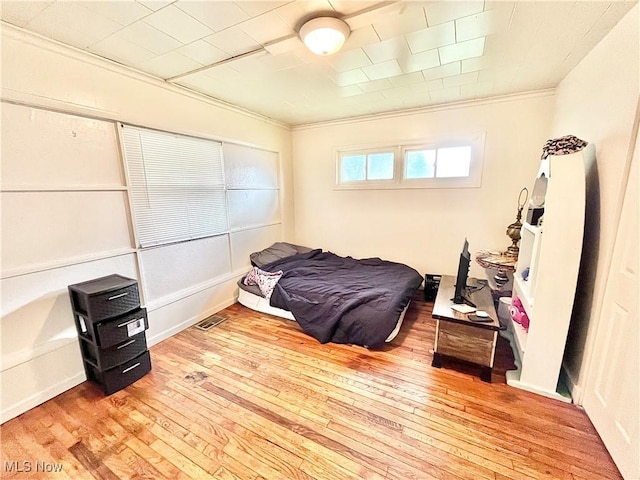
x=324, y=35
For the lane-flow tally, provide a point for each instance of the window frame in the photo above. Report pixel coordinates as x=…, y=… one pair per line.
x=476, y=140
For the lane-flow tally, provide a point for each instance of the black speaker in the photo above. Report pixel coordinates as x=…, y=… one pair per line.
x=431, y=284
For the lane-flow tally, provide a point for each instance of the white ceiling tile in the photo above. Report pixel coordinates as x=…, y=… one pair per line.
x=504, y=73
x=407, y=79
x=124, y=13
x=350, y=6
x=463, y=79
x=477, y=90
x=364, y=98
x=349, y=60
x=295, y=13
x=155, y=4
x=169, y=65
x=386, y=69
x=445, y=94
x=376, y=14
x=253, y=66
x=387, y=50
x=483, y=63
x=410, y=19
x=350, y=91
x=258, y=8
x=283, y=61
x=351, y=77
x=198, y=81
x=289, y=44
x=461, y=50
x=120, y=50
x=440, y=12
x=485, y=23
x=203, y=52
x=266, y=27
x=82, y=27
x=221, y=73
x=361, y=37
x=148, y=37
x=376, y=85
x=178, y=24
x=432, y=37
x=442, y=72
x=20, y=13
x=435, y=84
x=215, y=15
x=420, y=61
x=233, y=41
x=406, y=91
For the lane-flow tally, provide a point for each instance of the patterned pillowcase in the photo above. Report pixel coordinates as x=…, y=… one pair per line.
x=266, y=281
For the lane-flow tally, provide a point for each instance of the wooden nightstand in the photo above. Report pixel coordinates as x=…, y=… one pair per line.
x=459, y=337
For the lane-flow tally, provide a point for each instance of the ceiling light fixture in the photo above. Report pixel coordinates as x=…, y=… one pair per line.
x=324, y=35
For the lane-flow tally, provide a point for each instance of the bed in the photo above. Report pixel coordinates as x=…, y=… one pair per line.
x=333, y=298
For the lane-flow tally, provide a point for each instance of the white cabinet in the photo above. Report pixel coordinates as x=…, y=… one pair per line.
x=549, y=258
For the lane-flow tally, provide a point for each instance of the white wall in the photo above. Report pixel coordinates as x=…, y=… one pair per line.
x=65, y=211
x=597, y=102
x=423, y=228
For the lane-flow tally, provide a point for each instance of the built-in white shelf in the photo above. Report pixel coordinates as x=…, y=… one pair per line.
x=549, y=258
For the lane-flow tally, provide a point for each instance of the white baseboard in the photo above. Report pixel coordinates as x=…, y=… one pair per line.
x=41, y=397
x=157, y=338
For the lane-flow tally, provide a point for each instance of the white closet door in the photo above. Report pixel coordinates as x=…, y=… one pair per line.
x=612, y=393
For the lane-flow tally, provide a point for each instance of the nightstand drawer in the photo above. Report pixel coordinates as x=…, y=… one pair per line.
x=105, y=297
x=121, y=376
x=106, y=358
x=121, y=329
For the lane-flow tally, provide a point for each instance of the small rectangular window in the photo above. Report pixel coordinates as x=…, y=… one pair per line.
x=366, y=166
x=420, y=164
x=453, y=162
x=446, y=162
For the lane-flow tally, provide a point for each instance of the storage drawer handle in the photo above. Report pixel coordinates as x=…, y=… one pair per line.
x=125, y=344
x=131, y=367
x=128, y=322
x=118, y=296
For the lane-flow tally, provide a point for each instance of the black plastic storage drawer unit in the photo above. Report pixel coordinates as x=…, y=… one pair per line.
x=111, y=327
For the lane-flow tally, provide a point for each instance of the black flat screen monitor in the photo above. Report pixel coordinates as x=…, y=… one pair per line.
x=460, y=295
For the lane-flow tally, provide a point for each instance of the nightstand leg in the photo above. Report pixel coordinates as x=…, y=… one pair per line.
x=485, y=374
x=437, y=360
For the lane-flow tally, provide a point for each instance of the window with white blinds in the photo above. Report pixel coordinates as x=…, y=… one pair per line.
x=176, y=186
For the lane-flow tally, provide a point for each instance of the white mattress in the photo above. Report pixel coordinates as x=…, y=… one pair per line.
x=261, y=304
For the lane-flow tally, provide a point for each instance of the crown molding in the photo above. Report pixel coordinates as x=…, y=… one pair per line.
x=512, y=97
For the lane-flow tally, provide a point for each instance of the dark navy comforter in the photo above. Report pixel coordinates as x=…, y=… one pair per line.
x=341, y=299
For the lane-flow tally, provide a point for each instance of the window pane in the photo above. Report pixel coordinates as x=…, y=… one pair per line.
x=380, y=166
x=454, y=162
x=420, y=164
x=352, y=168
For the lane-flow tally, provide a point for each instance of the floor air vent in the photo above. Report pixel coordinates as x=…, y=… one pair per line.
x=210, y=322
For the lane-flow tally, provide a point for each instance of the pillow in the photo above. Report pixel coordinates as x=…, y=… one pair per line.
x=275, y=252
x=266, y=281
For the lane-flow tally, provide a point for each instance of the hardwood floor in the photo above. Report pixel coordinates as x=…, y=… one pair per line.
x=255, y=398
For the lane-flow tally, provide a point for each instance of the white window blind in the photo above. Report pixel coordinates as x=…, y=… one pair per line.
x=176, y=186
